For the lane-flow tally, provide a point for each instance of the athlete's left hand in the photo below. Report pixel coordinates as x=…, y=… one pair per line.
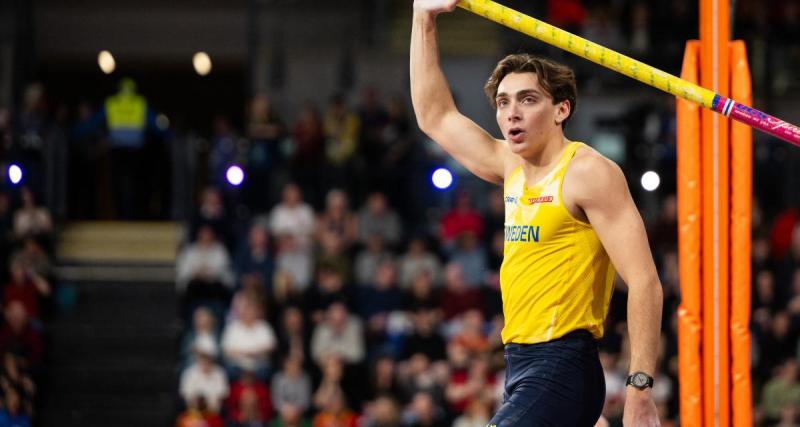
x=640, y=410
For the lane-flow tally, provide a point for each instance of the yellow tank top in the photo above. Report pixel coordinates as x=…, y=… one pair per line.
x=556, y=276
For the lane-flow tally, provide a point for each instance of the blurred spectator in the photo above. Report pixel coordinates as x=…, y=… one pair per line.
x=470, y=333
x=764, y=295
x=32, y=255
x=6, y=230
x=309, y=140
x=255, y=258
x=463, y=218
x=204, y=379
x=337, y=219
x=601, y=28
x=328, y=290
x=425, y=339
x=129, y=118
x=332, y=380
x=419, y=375
x=368, y=259
x=477, y=414
x=471, y=257
x=27, y=287
x=13, y=413
x=423, y=412
x=265, y=129
x=31, y=220
x=198, y=414
x=340, y=334
x=203, y=331
x=567, y=14
x=615, y=386
x=292, y=216
x=285, y=292
x=248, y=342
x=291, y=416
x=416, y=259
x=458, y=296
x=32, y=131
x=424, y=293
x=376, y=217
x=15, y=375
x=203, y=270
x=249, y=401
x=780, y=391
x=494, y=217
x=291, y=386
x=293, y=336
x=295, y=261
x=374, y=118
x=780, y=342
x=378, y=300
x=212, y=212
x=382, y=412
x=342, y=128
x=332, y=254
x=224, y=151
x=664, y=230
x=782, y=233
x=383, y=378
x=19, y=337
x=334, y=411
x=467, y=384
x=639, y=29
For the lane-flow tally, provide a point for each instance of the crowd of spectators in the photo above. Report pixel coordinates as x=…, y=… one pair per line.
x=26, y=236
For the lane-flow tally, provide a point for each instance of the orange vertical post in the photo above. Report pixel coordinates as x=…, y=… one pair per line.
x=714, y=75
x=689, y=228
x=741, y=206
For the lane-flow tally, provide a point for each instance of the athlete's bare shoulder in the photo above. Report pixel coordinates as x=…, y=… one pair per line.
x=591, y=175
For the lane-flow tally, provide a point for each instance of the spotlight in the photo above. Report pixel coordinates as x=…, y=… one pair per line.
x=106, y=61
x=442, y=178
x=15, y=174
x=202, y=63
x=235, y=175
x=650, y=181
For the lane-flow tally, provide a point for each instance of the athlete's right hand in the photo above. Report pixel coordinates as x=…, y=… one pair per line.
x=435, y=6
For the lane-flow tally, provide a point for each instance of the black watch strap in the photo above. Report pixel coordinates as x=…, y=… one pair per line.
x=639, y=380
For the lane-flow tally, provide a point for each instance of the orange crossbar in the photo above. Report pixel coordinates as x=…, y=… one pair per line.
x=689, y=226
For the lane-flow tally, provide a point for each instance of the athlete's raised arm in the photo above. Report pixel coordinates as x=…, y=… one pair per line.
x=435, y=109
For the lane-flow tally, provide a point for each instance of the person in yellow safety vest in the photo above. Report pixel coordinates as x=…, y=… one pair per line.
x=128, y=116
x=130, y=123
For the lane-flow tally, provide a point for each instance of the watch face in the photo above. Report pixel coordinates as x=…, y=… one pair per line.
x=639, y=380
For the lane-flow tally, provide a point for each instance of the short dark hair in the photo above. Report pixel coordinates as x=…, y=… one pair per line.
x=556, y=79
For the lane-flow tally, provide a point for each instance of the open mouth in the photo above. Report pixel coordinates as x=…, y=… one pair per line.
x=515, y=134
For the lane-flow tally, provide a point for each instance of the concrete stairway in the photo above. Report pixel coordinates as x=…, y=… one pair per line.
x=112, y=353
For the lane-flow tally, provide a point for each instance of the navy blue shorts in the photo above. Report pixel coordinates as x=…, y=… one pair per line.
x=557, y=383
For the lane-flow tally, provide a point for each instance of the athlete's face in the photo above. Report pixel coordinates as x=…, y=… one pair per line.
x=526, y=114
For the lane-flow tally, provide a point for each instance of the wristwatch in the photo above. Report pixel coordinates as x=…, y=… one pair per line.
x=639, y=380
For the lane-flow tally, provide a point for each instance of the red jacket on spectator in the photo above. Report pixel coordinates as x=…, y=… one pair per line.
x=459, y=221
x=234, y=399
x=566, y=13
x=26, y=343
x=781, y=233
x=25, y=293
